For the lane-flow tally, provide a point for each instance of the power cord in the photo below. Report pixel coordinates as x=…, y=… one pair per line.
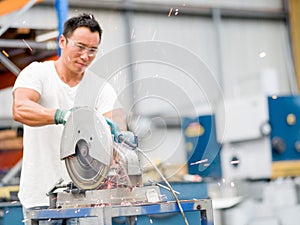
x=167, y=183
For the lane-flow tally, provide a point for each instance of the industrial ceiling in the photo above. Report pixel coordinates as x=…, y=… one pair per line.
x=20, y=46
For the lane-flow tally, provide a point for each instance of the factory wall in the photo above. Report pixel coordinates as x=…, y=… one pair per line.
x=207, y=57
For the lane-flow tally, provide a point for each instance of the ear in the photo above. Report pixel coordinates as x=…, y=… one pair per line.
x=62, y=41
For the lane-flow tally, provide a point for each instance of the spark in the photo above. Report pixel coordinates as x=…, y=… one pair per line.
x=232, y=184
x=27, y=45
x=151, y=221
x=198, y=162
x=132, y=34
x=5, y=53
x=170, y=12
x=235, y=162
x=176, y=12
x=262, y=54
x=153, y=35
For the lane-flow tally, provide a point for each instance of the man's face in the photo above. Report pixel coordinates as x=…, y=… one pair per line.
x=79, y=49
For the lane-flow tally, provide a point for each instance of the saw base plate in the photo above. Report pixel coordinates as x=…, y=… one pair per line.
x=118, y=196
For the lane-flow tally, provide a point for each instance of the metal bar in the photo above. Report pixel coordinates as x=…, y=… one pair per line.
x=107, y=216
x=293, y=77
x=9, y=65
x=187, y=10
x=11, y=173
x=6, y=62
x=292, y=7
x=217, y=26
x=207, y=205
x=19, y=13
x=118, y=211
x=9, y=43
x=131, y=77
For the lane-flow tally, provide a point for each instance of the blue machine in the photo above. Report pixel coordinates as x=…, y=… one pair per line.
x=203, y=150
x=262, y=136
x=285, y=134
x=11, y=214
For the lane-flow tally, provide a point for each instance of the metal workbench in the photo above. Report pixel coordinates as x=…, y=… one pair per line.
x=197, y=211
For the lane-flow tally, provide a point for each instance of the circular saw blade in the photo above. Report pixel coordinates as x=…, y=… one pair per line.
x=86, y=147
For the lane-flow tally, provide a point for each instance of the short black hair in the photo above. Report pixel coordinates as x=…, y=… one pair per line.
x=83, y=20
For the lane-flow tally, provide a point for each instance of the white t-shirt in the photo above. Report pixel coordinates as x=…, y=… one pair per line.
x=42, y=166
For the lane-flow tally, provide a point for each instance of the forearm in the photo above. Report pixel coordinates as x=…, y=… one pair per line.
x=33, y=114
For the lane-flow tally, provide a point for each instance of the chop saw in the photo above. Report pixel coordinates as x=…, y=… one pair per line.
x=104, y=166
x=102, y=163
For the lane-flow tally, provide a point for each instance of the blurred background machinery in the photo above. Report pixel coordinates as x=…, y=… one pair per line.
x=270, y=130
x=261, y=158
x=257, y=165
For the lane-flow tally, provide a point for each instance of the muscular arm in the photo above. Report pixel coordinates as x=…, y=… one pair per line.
x=26, y=109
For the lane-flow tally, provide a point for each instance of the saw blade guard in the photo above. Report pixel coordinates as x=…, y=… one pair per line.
x=87, y=148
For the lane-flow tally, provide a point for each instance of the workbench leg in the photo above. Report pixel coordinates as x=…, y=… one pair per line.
x=107, y=220
x=35, y=222
x=203, y=217
x=132, y=220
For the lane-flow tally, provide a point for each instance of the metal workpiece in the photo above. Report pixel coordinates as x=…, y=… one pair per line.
x=105, y=214
x=104, y=197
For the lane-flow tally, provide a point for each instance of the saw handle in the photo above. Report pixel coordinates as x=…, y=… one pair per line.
x=121, y=136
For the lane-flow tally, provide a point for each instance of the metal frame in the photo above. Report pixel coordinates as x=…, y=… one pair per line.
x=106, y=213
x=187, y=10
x=6, y=62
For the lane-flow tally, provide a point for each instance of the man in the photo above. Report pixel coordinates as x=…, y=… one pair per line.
x=43, y=95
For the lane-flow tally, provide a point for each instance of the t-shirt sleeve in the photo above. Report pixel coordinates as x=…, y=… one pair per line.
x=29, y=78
